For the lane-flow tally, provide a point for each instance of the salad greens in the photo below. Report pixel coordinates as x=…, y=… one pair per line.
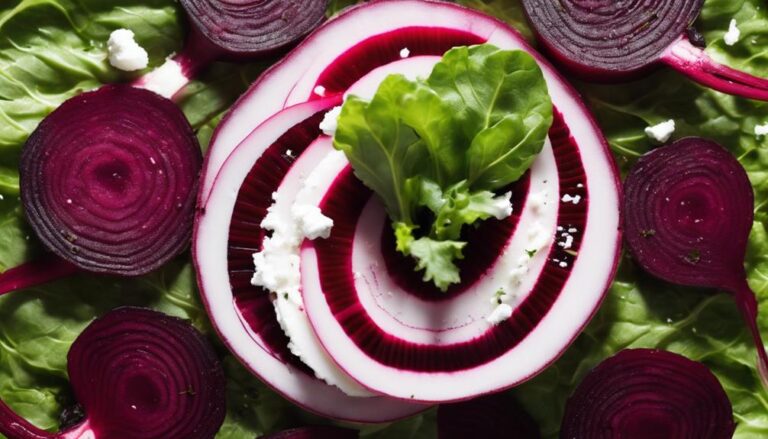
x=53, y=49
x=444, y=144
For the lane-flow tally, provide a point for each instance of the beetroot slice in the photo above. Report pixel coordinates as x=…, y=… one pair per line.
x=688, y=211
x=141, y=374
x=609, y=41
x=36, y=272
x=108, y=180
x=496, y=416
x=648, y=394
x=138, y=374
x=320, y=432
x=248, y=28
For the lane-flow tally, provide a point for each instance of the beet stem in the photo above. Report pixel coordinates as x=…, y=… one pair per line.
x=747, y=302
x=46, y=269
x=170, y=78
x=14, y=426
x=697, y=65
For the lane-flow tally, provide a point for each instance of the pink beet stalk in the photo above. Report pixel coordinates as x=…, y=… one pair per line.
x=36, y=272
x=697, y=65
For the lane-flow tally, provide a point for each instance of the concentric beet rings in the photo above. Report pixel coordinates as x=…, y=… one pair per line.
x=141, y=374
x=242, y=29
x=109, y=179
x=645, y=393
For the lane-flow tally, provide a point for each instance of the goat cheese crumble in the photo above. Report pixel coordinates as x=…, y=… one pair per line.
x=405, y=52
x=761, y=130
x=125, y=53
x=330, y=121
x=661, y=132
x=732, y=36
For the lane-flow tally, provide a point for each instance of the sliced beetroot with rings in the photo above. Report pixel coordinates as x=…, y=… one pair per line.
x=688, y=211
x=138, y=374
x=108, y=180
x=243, y=29
x=648, y=394
x=610, y=41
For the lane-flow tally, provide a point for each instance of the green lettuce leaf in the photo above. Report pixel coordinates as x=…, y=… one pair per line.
x=446, y=143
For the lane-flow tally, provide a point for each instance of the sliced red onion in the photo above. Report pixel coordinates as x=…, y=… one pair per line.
x=227, y=234
x=644, y=393
x=320, y=432
x=374, y=36
x=108, y=180
x=496, y=416
x=138, y=374
x=688, y=211
x=609, y=41
x=343, y=50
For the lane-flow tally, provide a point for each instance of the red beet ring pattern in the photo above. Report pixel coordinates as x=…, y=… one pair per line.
x=246, y=234
x=335, y=254
x=385, y=48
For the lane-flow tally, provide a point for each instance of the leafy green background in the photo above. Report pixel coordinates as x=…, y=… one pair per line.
x=53, y=49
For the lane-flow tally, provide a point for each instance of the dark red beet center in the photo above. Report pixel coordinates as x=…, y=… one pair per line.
x=109, y=178
x=648, y=394
x=496, y=416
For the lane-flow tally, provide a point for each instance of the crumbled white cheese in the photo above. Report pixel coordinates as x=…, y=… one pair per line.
x=311, y=221
x=320, y=90
x=502, y=312
x=761, y=130
x=661, y=132
x=330, y=121
x=167, y=79
x=405, y=53
x=277, y=264
x=125, y=53
x=732, y=36
x=568, y=243
x=502, y=206
x=575, y=199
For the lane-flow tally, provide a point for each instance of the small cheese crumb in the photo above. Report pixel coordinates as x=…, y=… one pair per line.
x=125, y=53
x=502, y=206
x=311, y=221
x=405, y=53
x=330, y=121
x=320, y=90
x=661, y=132
x=499, y=314
x=761, y=130
x=732, y=36
x=571, y=198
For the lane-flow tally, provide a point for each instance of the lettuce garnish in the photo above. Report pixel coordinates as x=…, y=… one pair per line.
x=442, y=147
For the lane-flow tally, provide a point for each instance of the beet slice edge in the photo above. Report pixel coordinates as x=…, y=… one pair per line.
x=108, y=180
x=612, y=41
x=688, y=211
x=646, y=393
x=138, y=374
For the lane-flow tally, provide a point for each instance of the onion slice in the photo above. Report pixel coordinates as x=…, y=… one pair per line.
x=645, y=393
x=610, y=41
x=688, y=211
x=108, y=180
